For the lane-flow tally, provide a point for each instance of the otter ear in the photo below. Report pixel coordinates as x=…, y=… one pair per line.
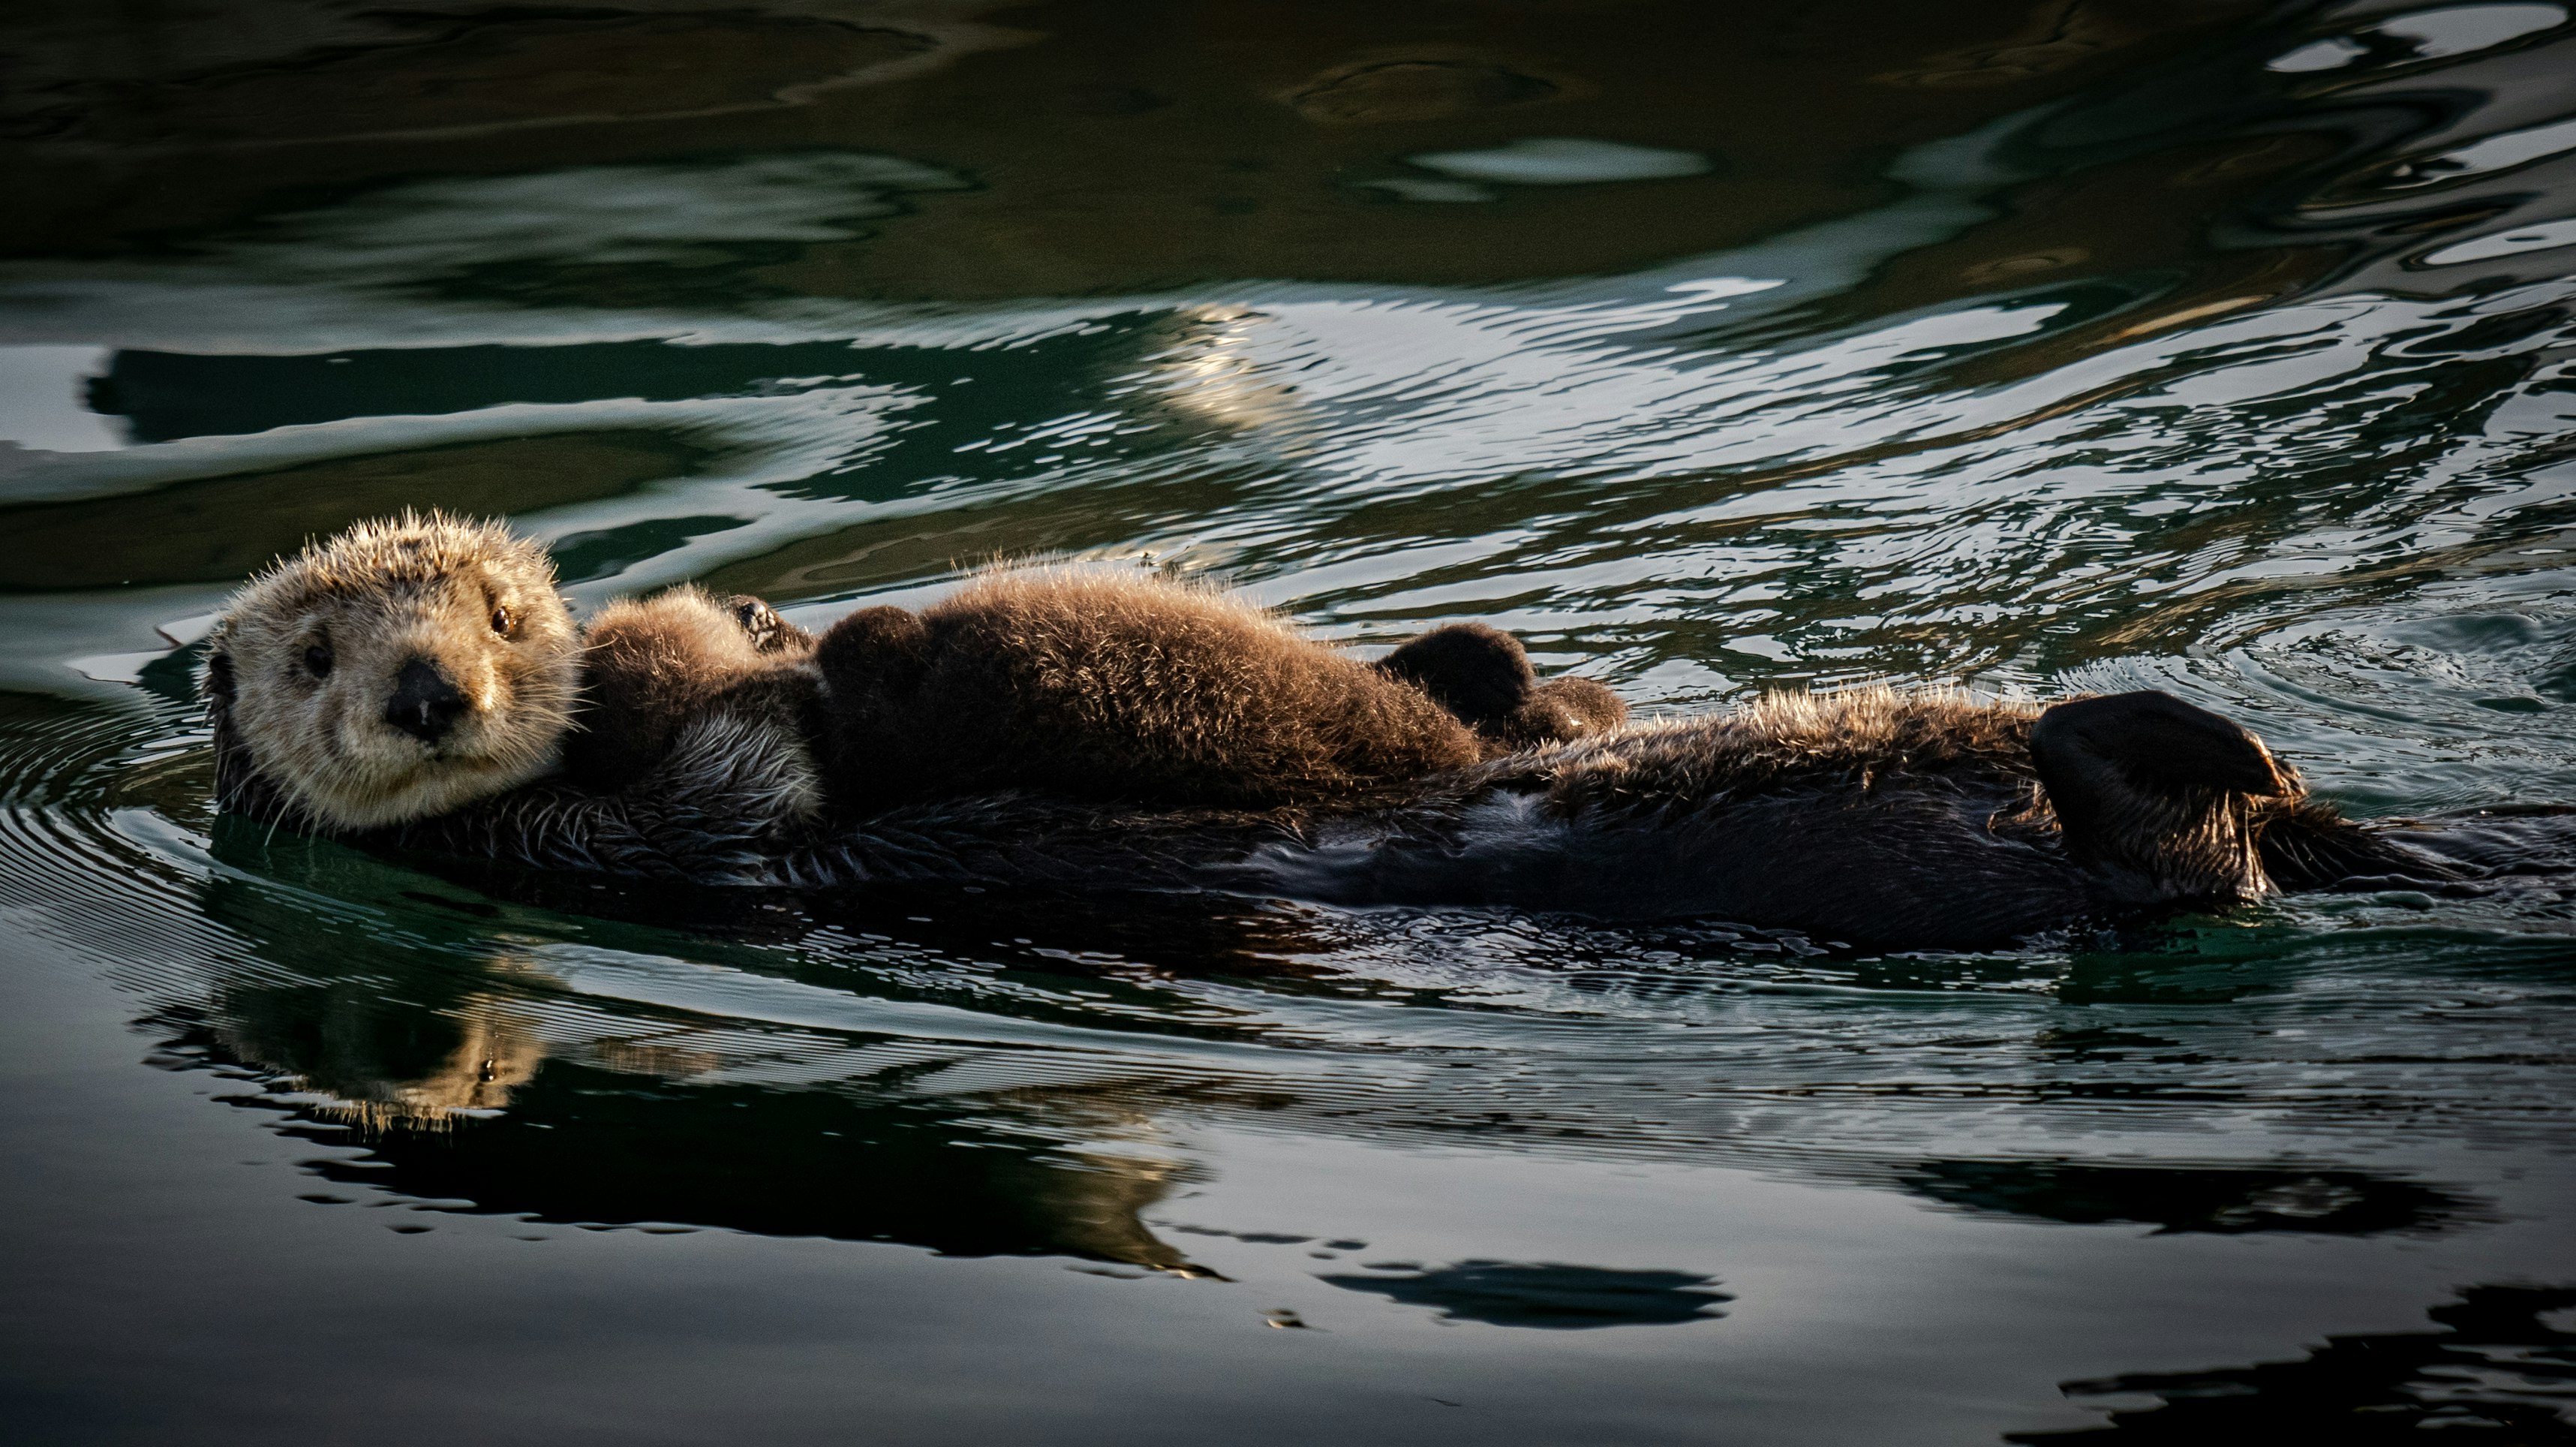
x=2153, y=741
x=219, y=689
x=239, y=789
x=874, y=653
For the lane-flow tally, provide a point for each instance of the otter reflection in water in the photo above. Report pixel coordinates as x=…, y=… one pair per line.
x=381, y=1064
x=473, y=1082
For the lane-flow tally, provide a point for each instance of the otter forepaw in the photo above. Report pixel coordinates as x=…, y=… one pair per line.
x=761, y=624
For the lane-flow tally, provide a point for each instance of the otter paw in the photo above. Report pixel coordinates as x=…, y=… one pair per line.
x=768, y=632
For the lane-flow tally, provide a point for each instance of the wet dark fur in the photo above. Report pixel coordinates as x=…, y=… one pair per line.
x=1871, y=817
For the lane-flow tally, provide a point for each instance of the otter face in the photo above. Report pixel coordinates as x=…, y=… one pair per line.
x=402, y=669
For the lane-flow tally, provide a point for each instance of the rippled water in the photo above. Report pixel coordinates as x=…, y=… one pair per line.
x=2080, y=347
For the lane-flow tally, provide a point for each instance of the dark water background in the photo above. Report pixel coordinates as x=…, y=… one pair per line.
x=2089, y=344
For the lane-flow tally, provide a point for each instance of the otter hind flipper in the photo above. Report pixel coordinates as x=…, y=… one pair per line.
x=2151, y=740
x=2156, y=793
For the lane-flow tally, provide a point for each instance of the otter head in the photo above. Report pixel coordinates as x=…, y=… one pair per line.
x=398, y=670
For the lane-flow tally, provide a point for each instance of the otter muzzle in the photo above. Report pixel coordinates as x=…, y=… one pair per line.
x=425, y=704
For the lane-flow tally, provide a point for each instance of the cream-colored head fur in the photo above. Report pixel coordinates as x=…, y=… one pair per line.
x=333, y=652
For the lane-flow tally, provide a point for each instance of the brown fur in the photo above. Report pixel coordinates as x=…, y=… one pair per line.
x=1782, y=741
x=652, y=666
x=1557, y=711
x=1118, y=687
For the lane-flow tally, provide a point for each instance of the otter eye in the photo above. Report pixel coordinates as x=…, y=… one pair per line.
x=317, y=660
x=503, y=620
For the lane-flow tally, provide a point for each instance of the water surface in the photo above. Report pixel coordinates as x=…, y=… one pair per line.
x=2077, y=346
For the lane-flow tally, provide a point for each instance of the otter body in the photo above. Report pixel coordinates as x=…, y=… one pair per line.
x=1108, y=687
x=1868, y=817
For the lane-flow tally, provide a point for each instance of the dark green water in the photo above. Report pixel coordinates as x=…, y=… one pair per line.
x=2220, y=349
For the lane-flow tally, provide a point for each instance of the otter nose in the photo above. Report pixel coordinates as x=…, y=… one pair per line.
x=425, y=705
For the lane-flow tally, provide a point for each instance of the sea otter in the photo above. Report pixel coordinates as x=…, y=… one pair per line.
x=405, y=669
x=1872, y=817
x=1868, y=816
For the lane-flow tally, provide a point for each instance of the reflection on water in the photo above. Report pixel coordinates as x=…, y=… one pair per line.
x=2500, y=1369
x=1507, y=1293
x=2225, y=1200
x=469, y=1086
x=2084, y=344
